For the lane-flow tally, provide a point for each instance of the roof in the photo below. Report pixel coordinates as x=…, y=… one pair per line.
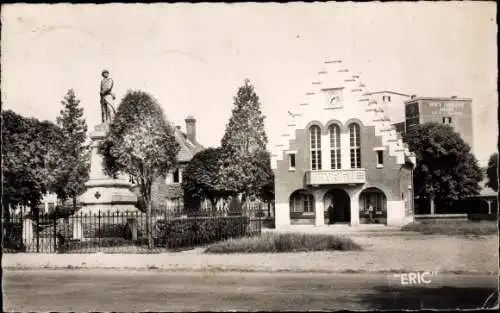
x=187, y=148
x=388, y=91
x=439, y=99
x=485, y=190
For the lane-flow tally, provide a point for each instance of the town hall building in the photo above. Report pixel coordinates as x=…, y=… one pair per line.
x=341, y=159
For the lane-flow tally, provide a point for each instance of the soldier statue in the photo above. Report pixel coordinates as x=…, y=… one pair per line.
x=107, y=97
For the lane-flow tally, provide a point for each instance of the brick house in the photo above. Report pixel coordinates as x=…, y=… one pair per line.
x=167, y=190
x=341, y=157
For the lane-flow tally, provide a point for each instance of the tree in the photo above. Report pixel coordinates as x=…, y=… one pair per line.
x=492, y=172
x=446, y=169
x=75, y=158
x=30, y=157
x=202, y=177
x=246, y=163
x=140, y=143
x=267, y=192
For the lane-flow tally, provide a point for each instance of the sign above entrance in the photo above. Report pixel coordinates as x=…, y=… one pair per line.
x=329, y=177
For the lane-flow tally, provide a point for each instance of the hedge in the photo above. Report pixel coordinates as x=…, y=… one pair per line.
x=182, y=232
x=482, y=217
x=13, y=237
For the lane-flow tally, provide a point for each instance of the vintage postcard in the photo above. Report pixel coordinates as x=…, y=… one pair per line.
x=249, y=157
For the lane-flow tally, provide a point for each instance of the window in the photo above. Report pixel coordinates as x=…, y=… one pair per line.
x=315, y=134
x=302, y=203
x=389, y=98
x=177, y=176
x=380, y=158
x=446, y=119
x=291, y=161
x=51, y=207
x=383, y=98
x=334, y=147
x=308, y=203
x=355, y=147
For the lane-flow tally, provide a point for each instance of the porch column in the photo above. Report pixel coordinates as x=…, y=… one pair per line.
x=354, y=196
x=319, y=207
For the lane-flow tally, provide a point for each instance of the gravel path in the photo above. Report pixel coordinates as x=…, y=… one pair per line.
x=380, y=253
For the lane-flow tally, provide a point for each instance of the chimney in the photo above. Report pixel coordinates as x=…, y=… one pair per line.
x=191, y=128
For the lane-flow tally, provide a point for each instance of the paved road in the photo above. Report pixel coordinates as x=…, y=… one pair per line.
x=120, y=290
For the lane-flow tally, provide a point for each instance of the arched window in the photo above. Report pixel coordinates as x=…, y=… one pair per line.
x=372, y=206
x=334, y=147
x=315, y=134
x=301, y=201
x=355, y=146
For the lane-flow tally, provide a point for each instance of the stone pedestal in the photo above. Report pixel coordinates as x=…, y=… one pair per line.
x=77, y=229
x=103, y=192
x=27, y=232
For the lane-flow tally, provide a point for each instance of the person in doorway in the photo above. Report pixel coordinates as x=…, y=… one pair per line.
x=330, y=214
x=371, y=213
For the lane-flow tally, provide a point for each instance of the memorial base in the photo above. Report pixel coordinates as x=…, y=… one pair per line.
x=105, y=194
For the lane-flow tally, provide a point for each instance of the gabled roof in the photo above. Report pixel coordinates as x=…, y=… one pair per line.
x=187, y=148
x=387, y=91
x=439, y=99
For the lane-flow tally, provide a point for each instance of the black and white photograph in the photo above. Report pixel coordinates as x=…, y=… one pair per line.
x=294, y=156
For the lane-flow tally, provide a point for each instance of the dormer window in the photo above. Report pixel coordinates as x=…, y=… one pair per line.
x=177, y=176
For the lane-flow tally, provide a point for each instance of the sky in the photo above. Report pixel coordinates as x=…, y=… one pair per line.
x=193, y=57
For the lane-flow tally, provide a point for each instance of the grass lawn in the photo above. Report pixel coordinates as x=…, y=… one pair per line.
x=458, y=227
x=284, y=242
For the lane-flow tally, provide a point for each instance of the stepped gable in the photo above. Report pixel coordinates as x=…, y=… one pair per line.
x=338, y=92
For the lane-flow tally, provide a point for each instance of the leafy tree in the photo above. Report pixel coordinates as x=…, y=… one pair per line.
x=202, y=178
x=446, y=169
x=75, y=157
x=246, y=163
x=141, y=144
x=492, y=172
x=30, y=157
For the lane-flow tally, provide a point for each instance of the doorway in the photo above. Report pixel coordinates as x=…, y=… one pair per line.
x=337, y=206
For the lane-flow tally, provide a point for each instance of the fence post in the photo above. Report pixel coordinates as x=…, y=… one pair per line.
x=37, y=232
x=98, y=228
x=55, y=232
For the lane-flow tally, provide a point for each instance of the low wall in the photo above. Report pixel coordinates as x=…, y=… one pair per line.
x=441, y=217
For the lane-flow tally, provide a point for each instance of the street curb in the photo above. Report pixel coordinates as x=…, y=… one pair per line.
x=235, y=269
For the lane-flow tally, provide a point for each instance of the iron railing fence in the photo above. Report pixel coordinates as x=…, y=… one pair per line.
x=124, y=232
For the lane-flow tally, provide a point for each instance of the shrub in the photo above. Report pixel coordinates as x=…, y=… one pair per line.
x=13, y=237
x=181, y=232
x=450, y=227
x=481, y=217
x=104, y=230
x=289, y=242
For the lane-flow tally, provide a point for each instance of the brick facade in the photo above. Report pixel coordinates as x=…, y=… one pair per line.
x=310, y=191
